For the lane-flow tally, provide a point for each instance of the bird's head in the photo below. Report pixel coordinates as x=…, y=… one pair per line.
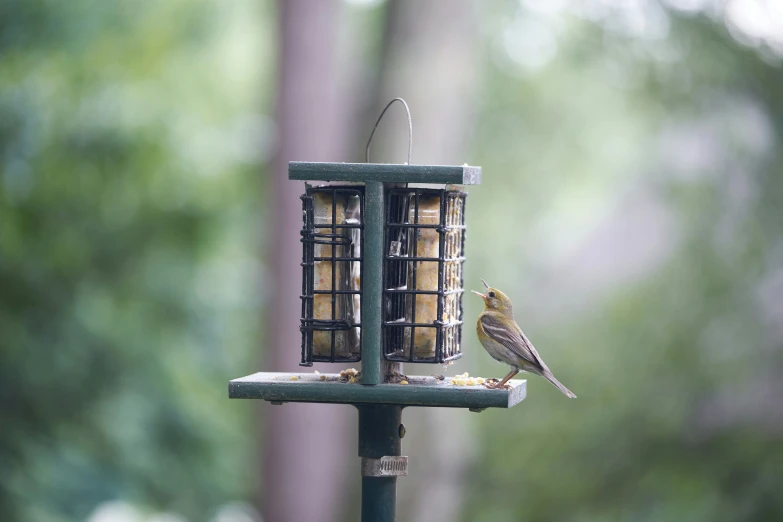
x=494, y=299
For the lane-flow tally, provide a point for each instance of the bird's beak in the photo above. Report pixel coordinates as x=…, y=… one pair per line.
x=485, y=284
x=483, y=296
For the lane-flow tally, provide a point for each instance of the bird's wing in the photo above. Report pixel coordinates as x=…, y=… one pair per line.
x=513, y=339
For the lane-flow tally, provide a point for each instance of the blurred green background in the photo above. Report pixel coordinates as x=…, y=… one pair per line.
x=632, y=206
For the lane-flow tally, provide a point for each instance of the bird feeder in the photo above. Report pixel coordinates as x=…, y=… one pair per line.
x=423, y=253
x=382, y=283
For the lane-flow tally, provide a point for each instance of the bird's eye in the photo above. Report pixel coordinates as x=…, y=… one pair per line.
x=491, y=294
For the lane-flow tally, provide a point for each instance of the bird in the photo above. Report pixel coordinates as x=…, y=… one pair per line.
x=503, y=339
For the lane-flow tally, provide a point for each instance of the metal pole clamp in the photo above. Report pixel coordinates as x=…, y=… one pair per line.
x=385, y=467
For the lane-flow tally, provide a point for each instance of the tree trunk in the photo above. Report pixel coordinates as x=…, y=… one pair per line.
x=309, y=451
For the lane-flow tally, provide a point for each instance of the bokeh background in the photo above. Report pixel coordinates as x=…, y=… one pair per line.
x=632, y=206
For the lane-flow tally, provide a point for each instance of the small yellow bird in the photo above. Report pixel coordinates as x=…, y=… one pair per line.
x=504, y=340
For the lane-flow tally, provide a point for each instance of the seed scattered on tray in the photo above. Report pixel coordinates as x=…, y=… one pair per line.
x=396, y=377
x=316, y=372
x=293, y=378
x=347, y=374
x=351, y=375
x=403, y=381
x=466, y=380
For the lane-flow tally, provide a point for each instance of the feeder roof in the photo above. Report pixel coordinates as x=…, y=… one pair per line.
x=385, y=172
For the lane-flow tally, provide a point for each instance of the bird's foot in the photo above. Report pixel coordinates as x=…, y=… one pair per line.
x=496, y=384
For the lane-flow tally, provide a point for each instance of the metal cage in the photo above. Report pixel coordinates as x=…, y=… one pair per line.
x=332, y=239
x=423, y=277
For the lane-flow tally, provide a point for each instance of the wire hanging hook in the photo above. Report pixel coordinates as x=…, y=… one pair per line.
x=410, y=129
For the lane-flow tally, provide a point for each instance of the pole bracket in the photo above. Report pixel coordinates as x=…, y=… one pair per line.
x=385, y=467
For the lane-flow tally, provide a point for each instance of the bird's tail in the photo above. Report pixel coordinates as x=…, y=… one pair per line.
x=551, y=378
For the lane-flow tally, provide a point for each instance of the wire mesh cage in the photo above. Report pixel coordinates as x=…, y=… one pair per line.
x=423, y=280
x=332, y=238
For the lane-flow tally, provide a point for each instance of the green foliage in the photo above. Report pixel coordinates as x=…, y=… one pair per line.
x=126, y=215
x=675, y=367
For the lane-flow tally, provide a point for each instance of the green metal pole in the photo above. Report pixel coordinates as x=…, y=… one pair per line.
x=379, y=436
x=372, y=284
x=379, y=426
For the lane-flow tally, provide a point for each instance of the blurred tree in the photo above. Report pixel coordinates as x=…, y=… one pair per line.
x=306, y=446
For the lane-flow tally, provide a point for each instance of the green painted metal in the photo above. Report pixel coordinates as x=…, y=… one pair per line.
x=379, y=436
x=327, y=388
x=386, y=173
x=372, y=283
x=379, y=499
x=380, y=404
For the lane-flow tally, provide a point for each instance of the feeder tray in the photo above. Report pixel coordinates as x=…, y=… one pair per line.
x=330, y=388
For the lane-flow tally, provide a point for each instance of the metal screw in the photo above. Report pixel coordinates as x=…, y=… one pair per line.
x=401, y=430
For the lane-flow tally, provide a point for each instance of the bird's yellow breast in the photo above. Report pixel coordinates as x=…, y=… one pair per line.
x=495, y=349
